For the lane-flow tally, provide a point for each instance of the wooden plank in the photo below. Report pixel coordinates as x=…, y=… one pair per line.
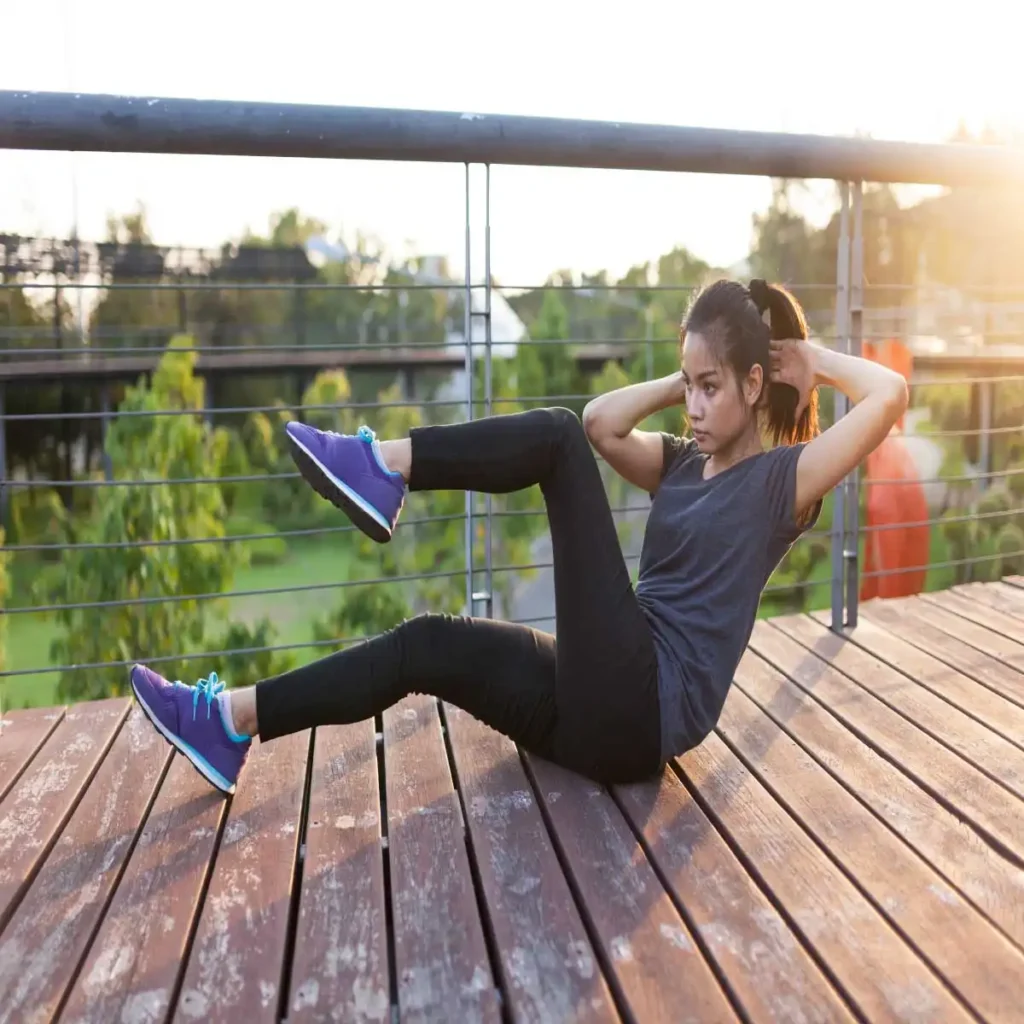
x=989, y=880
x=1009, y=630
x=22, y=734
x=913, y=897
x=973, y=796
x=952, y=688
x=919, y=628
x=644, y=942
x=548, y=967
x=136, y=958
x=1001, y=596
x=40, y=803
x=984, y=638
x=47, y=937
x=1011, y=593
x=237, y=959
x=444, y=972
x=878, y=971
x=766, y=967
x=1015, y=581
x=984, y=748
x=340, y=964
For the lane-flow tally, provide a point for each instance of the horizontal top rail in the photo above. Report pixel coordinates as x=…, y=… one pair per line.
x=143, y=124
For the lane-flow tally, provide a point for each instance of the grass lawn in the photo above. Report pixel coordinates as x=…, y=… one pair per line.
x=309, y=561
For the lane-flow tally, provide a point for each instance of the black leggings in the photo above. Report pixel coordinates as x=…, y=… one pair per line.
x=588, y=701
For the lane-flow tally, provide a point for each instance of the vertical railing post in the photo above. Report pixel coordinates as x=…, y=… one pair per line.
x=4, y=499
x=986, y=414
x=851, y=541
x=108, y=465
x=467, y=331
x=488, y=387
x=842, y=319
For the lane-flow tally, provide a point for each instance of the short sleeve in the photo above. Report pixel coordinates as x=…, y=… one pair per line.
x=673, y=449
x=671, y=446
x=780, y=491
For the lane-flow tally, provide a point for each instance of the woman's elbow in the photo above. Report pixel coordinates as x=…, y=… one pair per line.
x=592, y=421
x=898, y=398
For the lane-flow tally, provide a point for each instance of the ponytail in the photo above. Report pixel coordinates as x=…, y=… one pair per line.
x=785, y=320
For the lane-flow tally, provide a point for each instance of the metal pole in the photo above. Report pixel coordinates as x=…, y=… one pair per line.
x=851, y=554
x=3, y=461
x=108, y=465
x=147, y=124
x=468, y=340
x=842, y=309
x=488, y=380
x=985, y=417
x=649, y=338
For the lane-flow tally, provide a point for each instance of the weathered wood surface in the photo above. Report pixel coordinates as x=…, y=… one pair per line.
x=441, y=959
x=957, y=783
x=22, y=733
x=237, y=959
x=49, y=932
x=340, y=964
x=136, y=958
x=990, y=709
x=938, y=921
x=547, y=964
x=847, y=844
x=642, y=938
x=969, y=611
x=35, y=810
x=770, y=973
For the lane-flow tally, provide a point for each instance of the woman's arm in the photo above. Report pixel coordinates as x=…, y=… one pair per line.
x=878, y=395
x=610, y=422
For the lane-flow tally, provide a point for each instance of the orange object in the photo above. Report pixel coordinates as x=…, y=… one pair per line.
x=894, y=505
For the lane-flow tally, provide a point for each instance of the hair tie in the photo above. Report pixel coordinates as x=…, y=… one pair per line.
x=760, y=292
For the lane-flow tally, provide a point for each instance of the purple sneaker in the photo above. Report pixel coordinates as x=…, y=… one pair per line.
x=348, y=471
x=198, y=728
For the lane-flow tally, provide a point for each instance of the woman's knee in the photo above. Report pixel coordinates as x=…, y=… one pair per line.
x=566, y=426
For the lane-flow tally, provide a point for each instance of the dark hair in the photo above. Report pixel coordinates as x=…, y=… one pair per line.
x=730, y=318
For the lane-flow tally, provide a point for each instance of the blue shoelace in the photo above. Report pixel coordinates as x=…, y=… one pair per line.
x=366, y=434
x=209, y=688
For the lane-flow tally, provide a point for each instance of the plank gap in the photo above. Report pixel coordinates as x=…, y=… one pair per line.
x=666, y=883
x=490, y=939
x=296, y=893
x=738, y=853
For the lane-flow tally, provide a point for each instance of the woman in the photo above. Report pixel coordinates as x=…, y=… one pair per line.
x=635, y=676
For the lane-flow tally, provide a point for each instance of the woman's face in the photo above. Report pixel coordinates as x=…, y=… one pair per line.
x=718, y=409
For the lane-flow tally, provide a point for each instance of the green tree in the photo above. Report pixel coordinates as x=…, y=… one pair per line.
x=151, y=450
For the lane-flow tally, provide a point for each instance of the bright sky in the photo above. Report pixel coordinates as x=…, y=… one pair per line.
x=883, y=69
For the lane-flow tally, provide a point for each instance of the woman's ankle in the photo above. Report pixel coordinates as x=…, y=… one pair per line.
x=397, y=456
x=242, y=703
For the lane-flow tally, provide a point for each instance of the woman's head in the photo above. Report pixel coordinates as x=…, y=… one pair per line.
x=726, y=365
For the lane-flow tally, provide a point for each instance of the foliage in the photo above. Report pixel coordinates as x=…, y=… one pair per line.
x=248, y=660
x=270, y=549
x=38, y=516
x=991, y=540
x=365, y=611
x=150, y=449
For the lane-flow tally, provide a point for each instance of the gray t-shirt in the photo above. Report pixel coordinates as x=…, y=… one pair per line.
x=709, y=548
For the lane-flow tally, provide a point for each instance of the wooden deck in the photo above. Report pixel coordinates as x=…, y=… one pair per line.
x=848, y=845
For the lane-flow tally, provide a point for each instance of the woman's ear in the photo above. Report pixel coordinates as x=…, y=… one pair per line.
x=755, y=387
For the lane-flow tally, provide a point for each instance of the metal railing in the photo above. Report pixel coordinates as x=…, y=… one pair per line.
x=63, y=122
